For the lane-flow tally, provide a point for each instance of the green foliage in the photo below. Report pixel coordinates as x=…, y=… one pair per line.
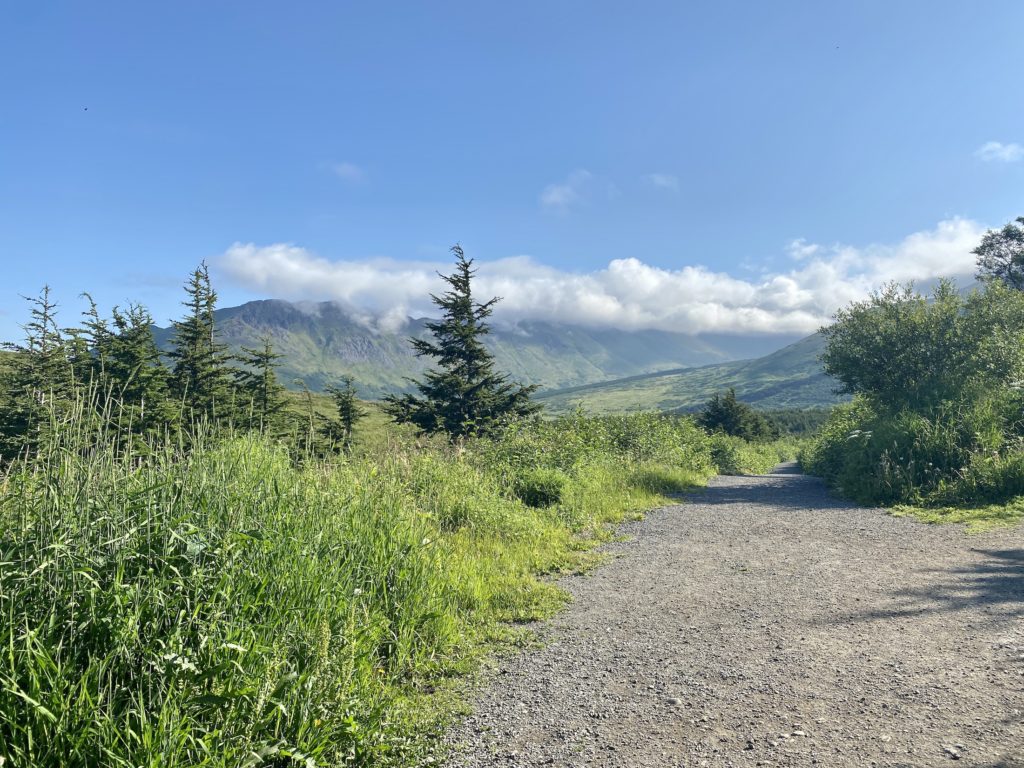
x=937, y=418
x=200, y=379
x=39, y=382
x=724, y=413
x=464, y=396
x=128, y=365
x=1001, y=255
x=342, y=431
x=540, y=487
x=115, y=367
x=799, y=422
x=975, y=518
x=258, y=386
x=903, y=350
x=736, y=456
x=224, y=606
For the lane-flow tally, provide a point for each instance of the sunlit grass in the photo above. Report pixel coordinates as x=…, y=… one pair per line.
x=227, y=606
x=976, y=519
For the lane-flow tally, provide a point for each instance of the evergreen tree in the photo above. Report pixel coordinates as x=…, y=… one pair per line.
x=131, y=363
x=725, y=413
x=259, y=387
x=464, y=396
x=96, y=331
x=341, y=432
x=39, y=383
x=200, y=377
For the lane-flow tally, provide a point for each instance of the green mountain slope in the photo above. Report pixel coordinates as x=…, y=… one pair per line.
x=322, y=342
x=788, y=378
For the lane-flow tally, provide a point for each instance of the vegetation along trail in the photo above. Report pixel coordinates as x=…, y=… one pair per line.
x=768, y=623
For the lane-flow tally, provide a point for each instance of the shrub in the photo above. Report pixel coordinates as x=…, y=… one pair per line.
x=735, y=456
x=954, y=453
x=540, y=487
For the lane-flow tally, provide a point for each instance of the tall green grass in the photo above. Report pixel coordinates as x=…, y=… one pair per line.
x=216, y=603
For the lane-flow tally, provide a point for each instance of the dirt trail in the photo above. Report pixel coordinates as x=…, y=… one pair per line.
x=766, y=623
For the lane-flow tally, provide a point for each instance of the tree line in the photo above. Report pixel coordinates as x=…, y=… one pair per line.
x=111, y=368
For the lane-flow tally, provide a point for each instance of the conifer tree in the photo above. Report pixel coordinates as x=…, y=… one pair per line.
x=200, y=378
x=725, y=413
x=464, y=395
x=342, y=431
x=96, y=330
x=39, y=384
x=259, y=387
x=132, y=365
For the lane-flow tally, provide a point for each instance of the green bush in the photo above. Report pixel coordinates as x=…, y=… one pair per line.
x=735, y=456
x=953, y=454
x=540, y=487
x=936, y=419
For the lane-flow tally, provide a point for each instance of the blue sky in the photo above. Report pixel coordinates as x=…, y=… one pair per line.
x=611, y=157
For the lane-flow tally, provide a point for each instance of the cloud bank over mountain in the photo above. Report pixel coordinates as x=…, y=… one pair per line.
x=627, y=293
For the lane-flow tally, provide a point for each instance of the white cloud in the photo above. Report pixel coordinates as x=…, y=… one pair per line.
x=577, y=187
x=663, y=181
x=627, y=293
x=800, y=249
x=348, y=171
x=997, y=152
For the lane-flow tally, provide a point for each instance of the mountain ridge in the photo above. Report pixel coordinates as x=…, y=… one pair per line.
x=322, y=342
x=791, y=377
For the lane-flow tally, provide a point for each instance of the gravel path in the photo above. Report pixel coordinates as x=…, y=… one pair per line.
x=767, y=623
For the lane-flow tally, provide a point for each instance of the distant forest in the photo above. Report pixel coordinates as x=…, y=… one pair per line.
x=110, y=368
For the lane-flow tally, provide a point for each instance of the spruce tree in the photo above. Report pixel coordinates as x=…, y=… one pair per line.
x=342, y=431
x=200, y=378
x=137, y=374
x=464, y=395
x=39, y=383
x=96, y=330
x=259, y=388
x=725, y=413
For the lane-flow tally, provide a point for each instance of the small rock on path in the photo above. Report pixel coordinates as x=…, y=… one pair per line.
x=765, y=622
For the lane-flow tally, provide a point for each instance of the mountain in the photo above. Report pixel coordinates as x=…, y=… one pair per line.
x=791, y=377
x=323, y=341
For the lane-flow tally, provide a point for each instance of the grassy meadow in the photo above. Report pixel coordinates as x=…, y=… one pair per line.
x=230, y=605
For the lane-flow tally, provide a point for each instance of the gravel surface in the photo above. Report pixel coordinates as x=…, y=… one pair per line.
x=765, y=622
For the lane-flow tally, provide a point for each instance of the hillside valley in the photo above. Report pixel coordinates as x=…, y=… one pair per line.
x=790, y=377
x=322, y=342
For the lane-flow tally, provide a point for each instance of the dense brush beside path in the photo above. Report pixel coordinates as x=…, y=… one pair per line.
x=767, y=623
x=224, y=603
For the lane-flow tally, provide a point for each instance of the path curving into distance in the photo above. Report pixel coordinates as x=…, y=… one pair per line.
x=765, y=622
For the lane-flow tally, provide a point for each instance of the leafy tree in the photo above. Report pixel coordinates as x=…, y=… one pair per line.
x=259, y=386
x=724, y=413
x=464, y=395
x=342, y=431
x=902, y=350
x=1001, y=255
x=200, y=377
